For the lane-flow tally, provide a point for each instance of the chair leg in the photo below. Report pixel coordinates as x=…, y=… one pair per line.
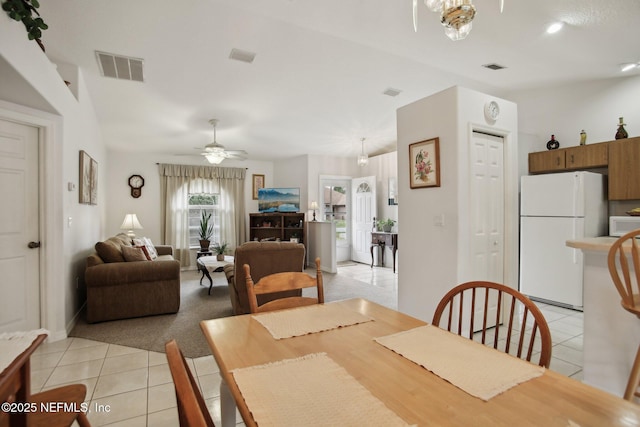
x=634, y=378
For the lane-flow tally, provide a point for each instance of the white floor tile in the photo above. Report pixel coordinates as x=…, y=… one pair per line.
x=112, y=384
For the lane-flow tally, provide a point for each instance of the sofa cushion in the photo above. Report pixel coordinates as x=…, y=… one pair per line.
x=146, y=242
x=109, y=251
x=123, y=239
x=131, y=253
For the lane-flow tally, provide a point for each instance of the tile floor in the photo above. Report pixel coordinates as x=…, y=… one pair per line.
x=128, y=387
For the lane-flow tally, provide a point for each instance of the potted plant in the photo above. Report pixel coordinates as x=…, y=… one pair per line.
x=24, y=10
x=385, y=224
x=206, y=230
x=220, y=249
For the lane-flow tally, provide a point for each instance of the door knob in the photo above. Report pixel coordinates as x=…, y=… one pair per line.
x=33, y=245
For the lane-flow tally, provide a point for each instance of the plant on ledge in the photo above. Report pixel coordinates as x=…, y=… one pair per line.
x=23, y=10
x=206, y=230
x=385, y=224
x=220, y=249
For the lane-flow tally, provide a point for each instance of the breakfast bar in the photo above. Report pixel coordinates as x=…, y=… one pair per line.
x=611, y=334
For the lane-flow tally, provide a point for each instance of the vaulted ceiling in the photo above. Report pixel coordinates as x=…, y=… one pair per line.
x=320, y=69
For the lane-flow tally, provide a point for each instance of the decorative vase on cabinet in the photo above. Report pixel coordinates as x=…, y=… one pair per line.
x=621, y=133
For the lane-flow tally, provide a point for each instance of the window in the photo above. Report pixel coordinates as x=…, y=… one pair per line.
x=198, y=203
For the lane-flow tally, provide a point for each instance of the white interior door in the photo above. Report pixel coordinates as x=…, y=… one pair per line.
x=363, y=195
x=487, y=207
x=19, y=225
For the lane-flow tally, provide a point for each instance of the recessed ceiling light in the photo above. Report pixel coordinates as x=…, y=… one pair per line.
x=554, y=27
x=242, y=55
x=628, y=67
x=494, y=66
x=392, y=92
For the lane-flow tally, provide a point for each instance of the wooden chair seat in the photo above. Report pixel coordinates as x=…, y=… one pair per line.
x=279, y=282
x=72, y=395
x=517, y=327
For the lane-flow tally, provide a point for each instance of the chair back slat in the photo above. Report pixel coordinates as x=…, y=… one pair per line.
x=513, y=310
x=280, y=282
x=626, y=283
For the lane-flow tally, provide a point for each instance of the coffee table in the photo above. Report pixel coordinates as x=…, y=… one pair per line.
x=210, y=264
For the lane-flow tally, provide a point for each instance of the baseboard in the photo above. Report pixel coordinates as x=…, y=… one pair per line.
x=71, y=324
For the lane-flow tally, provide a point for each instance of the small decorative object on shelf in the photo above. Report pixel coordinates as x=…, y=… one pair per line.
x=553, y=144
x=583, y=137
x=621, y=133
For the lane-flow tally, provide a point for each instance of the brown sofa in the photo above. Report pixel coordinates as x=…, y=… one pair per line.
x=120, y=289
x=264, y=258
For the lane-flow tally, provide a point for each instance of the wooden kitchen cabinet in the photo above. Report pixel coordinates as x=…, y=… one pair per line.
x=547, y=161
x=587, y=156
x=624, y=169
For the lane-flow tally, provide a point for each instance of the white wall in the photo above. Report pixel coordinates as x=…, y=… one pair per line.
x=147, y=206
x=68, y=125
x=433, y=259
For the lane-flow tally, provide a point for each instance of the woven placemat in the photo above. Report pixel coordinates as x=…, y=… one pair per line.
x=311, y=390
x=479, y=370
x=307, y=320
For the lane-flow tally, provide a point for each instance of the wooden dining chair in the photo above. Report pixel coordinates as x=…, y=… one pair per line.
x=192, y=410
x=481, y=309
x=15, y=386
x=283, y=282
x=627, y=283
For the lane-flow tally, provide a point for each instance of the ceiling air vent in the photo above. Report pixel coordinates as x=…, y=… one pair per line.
x=120, y=67
x=242, y=55
x=392, y=92
x=494, y=67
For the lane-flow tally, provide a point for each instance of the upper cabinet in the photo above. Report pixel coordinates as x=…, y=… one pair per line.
x=587, y=156
x=621, y=158
x=572, y=158
x=547, y=161
x=624, y=169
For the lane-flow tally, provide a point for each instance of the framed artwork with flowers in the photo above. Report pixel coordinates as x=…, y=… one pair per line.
x=424, y=163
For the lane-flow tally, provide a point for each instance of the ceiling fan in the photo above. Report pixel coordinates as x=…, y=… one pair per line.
x=215, y=153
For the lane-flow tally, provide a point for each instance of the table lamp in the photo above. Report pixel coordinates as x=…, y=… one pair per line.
x=314, y=206
x=131, y=223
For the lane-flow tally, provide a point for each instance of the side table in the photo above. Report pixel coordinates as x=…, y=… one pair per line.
x=210, y=264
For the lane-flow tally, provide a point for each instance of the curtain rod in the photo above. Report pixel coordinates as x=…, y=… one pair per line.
x=215, y=166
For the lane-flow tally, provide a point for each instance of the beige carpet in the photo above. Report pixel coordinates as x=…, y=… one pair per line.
x=151, y=333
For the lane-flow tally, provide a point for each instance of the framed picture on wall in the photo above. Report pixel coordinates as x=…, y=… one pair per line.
x=424, y=163
x=258, y=183
x=94, y=182
x=85, y=178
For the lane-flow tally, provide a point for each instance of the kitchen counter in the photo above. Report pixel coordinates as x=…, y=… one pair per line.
x=611, y=334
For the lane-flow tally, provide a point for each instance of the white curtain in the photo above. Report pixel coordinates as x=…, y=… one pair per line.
x=178, y=181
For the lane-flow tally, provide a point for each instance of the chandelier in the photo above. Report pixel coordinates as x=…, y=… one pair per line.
x=363, y=158
x=455, y=15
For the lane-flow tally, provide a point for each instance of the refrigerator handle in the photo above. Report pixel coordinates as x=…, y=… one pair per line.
x=573, y=236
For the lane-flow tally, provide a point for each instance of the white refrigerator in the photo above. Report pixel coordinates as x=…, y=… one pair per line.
x=555, y=208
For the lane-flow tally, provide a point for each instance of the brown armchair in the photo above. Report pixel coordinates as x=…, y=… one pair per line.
x=264, y=258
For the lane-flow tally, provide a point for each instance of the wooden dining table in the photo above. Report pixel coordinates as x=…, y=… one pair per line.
x=415, y=394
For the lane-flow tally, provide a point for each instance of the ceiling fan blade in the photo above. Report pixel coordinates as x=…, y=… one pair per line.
x=236, y=152
x=415, y=16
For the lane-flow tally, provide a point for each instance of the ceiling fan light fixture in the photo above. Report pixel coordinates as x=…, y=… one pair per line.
x=214, y=158
x=554, y=27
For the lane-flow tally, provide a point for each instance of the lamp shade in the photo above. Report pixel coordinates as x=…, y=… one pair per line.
x=314, y=205
x=131, y=223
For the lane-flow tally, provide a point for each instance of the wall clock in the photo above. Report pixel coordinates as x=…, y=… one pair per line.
x=136, y=182
x=491, y=111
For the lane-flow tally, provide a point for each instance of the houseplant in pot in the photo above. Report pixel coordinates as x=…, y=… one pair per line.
x=220, y=249
x=385, y=224
x=206, y=230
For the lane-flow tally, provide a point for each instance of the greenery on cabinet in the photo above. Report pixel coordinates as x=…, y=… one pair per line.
x=24, y=10
x=385, y=224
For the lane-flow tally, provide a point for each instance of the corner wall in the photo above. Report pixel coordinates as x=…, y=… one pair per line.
x=435, y=258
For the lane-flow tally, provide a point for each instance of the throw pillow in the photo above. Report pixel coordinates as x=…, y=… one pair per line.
x=133, y=254
x=146, y=242
x=146, y=252
x=109, y=251
x=152, y=250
